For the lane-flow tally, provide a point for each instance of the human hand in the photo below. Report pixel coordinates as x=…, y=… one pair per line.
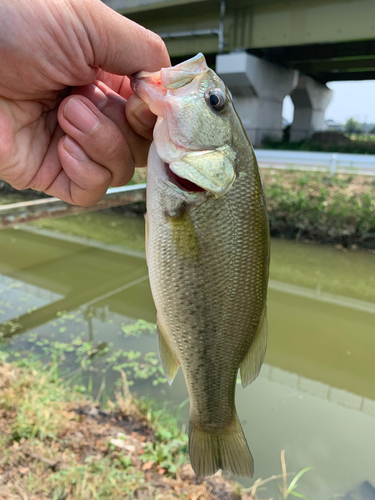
x=64, y=126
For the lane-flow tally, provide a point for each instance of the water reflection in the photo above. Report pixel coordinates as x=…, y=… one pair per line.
x=321, y=296
x=319, y=389
x=315, y=396
x=18, y=297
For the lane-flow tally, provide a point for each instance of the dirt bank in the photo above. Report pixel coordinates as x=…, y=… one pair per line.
x=56, y=444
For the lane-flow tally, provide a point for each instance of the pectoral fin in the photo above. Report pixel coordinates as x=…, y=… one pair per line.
x=252, y=362
x=167, y=358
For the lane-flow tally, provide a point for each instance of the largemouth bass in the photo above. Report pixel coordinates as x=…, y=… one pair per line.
x=207, y=246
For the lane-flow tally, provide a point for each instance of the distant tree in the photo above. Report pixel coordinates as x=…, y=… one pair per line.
x=372, y=130
x=352, y=126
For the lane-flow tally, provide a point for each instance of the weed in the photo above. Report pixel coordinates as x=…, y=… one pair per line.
x=77, y=356
x=336, y=210
x=286, y=489
x=39, y=414
x=95, y=479
x=48, y=451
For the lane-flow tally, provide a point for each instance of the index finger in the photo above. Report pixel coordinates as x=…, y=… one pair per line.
x=120, y=45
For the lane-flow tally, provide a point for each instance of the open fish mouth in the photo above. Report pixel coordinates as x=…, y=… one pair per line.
x=192, y=164
x=208, y=171
x=181, y=183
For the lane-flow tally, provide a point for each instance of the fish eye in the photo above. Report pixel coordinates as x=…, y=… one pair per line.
x=216, y=99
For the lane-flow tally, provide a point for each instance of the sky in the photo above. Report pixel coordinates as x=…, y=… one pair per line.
x=350, y=99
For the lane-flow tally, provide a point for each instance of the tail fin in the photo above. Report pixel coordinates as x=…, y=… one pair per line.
x=228, y=451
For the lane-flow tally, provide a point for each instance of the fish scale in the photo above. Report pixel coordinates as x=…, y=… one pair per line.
x=208, y=257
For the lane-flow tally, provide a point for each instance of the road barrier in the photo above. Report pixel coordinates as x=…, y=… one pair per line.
x=308, y=160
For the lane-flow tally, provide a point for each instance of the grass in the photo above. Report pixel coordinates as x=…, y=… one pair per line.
x=315, y=206
x=361, y=137
x=56, y=443
x=34, y=397
x=286, y=489
x=39, y=438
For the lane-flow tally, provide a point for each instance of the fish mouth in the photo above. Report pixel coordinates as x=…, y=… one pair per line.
x=181, y=183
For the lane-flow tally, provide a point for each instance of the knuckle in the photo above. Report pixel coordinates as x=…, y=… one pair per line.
x=84, y=202
x=106, y=144
x=19, y=185
x=94, y=177
x=114, y=150
x=102, y=177
x=123, y=176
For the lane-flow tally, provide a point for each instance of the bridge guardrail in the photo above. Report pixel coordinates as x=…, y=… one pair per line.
x=309, y=160
x=14, y=214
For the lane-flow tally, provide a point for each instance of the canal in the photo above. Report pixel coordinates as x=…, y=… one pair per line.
x=78, y=287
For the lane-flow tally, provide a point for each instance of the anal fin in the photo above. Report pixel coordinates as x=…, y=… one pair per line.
x=251, y=364
x=168, y=360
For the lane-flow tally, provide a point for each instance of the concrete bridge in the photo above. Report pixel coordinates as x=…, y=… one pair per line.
x=267, y=49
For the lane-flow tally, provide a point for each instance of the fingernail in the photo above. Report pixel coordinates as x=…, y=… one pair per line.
x=80, y=115
x=97, y=96
x=74, y=150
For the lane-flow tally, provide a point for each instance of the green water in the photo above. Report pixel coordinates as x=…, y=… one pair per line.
x=84, y=279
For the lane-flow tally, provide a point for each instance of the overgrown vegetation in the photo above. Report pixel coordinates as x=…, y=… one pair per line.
x=58, y=444
x=301, y=204
x=334, y=142
x=315, y=206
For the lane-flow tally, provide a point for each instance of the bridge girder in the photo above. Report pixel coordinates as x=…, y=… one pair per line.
x=326, y=39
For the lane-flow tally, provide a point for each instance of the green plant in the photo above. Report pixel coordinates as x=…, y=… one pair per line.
x=286, y=489
x=40, y=413
x=95, y=479
x=77, y=356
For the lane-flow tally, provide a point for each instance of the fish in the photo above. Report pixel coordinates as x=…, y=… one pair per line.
x=207, y=247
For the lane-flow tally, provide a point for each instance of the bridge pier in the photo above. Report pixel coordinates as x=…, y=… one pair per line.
x=258, y=88
x=310, y=100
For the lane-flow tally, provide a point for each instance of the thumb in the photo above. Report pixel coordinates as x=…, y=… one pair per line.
x=119, y=45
